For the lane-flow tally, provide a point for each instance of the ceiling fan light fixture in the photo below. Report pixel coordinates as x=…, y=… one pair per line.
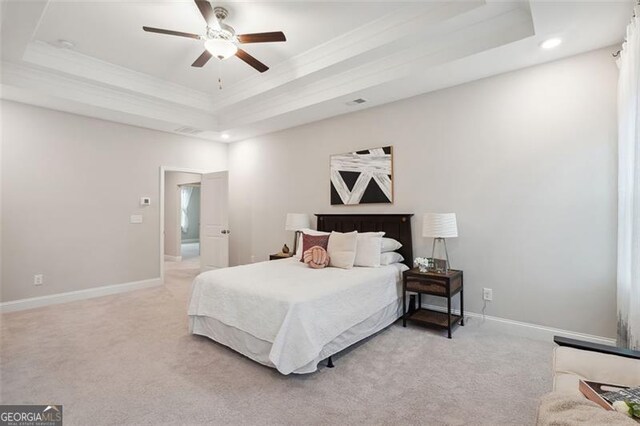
x=220, y=48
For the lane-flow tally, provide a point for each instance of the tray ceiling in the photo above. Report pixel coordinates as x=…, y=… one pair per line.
x=336, y=52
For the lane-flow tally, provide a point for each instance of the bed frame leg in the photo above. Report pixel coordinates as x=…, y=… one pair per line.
x=330, y=363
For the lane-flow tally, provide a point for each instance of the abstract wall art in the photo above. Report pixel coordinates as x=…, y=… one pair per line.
x=362, y=177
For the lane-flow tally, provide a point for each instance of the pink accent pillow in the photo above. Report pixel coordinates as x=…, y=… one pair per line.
x=309, y=241
x=316, y=257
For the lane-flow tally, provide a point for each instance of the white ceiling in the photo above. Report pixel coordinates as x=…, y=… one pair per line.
x=335, y=52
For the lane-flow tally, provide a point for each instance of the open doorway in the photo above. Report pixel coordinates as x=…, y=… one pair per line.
x=189, y=220
x=194, y=223
x=182, y=217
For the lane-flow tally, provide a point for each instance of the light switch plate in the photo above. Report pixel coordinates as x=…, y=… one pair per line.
x=135, y=218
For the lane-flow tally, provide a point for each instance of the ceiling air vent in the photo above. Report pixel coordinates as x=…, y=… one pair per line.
x=357, y=101
x=188, y=130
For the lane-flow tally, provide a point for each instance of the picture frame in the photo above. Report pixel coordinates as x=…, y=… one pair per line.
x=362, y=177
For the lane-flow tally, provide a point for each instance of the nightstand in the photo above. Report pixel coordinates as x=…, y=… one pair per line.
x=444, y=285
x=278, y=256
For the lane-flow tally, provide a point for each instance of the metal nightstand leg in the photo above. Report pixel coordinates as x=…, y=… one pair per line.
x=404, y=311
x=462, y=300
x=449, y=315
x=462, y=306
x=404, y=303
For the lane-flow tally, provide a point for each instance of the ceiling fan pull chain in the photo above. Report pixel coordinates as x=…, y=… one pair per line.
x=219, y=75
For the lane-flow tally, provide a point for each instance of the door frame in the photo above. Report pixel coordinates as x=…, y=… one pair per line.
x=164, y=169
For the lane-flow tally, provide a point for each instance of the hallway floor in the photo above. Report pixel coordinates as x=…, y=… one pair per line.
x=190, y=250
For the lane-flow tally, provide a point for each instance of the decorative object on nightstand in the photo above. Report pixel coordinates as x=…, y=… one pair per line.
x=296, y=222
x=424, y=264
x=285, y=249
x=440, y=226
x=435, y=284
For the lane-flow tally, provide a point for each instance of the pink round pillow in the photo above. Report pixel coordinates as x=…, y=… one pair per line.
x=316, y=257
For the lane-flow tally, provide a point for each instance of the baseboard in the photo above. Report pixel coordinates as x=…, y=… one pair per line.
x=173, y=258
x=52, y=299
x=523, y=329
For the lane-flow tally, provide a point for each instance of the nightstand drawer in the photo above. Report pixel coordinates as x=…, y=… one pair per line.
x=427, y=286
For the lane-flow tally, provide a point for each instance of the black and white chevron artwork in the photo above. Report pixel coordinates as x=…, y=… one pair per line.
x=362, y=177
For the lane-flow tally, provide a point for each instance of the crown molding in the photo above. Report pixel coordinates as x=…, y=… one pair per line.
x=88, y=68
x=463, y=41
x=72, y=89
x=402, y=23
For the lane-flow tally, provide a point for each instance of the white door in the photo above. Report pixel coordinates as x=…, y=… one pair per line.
x=214, y=221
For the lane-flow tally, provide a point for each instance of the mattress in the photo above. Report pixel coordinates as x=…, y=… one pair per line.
x=286, y=315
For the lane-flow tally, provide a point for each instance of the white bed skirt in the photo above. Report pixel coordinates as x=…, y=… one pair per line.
x=259, y=350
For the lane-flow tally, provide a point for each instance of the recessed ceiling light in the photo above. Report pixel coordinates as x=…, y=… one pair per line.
x=224, y=136
x=551, y=43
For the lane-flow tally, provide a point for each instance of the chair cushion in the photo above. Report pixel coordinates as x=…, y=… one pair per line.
x=571, y=364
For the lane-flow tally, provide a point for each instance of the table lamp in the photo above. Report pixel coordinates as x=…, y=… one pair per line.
x=440, y=226
x=296, y=222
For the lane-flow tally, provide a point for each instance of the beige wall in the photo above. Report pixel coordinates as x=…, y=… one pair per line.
x=527, y=160
x=69, y=185
x=172, y=234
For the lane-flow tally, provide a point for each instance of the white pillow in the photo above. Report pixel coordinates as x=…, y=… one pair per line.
x=308, y=231
x=368, y=249
x=390, y=257
x=389, y=244
x=342, y=249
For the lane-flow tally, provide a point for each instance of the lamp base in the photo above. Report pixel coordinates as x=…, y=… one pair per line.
x=295, y=243
x=446, y=253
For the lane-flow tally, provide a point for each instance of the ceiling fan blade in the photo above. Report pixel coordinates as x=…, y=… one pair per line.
x=202, y=59
x=169, y=32
x=262, y=37
x=251, y=60
x=206, y=10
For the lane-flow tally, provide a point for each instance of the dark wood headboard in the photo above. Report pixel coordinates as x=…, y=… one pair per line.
x=396, y=226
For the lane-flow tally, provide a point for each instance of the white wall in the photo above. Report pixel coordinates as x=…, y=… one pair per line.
x=172, y=202
x=69, y=185
x=527, y=160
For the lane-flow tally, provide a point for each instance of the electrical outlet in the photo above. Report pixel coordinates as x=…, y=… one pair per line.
x=38, y=279
x=253, y=258
x=487, y=294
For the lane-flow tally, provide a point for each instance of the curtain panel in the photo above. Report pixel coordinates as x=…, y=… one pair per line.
x=629, y=188
x=185, y=198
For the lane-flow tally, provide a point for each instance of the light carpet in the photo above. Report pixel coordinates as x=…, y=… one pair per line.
x=128, y=359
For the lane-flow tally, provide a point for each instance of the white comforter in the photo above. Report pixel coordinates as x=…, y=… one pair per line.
x=296, y=308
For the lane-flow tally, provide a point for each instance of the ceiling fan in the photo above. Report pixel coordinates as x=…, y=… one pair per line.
x=220, y=39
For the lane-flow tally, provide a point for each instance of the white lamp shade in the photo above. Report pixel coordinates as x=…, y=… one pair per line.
x=440, y=225
x=297, y=221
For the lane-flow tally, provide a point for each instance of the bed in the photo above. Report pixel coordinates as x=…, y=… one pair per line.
x=288, y=316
